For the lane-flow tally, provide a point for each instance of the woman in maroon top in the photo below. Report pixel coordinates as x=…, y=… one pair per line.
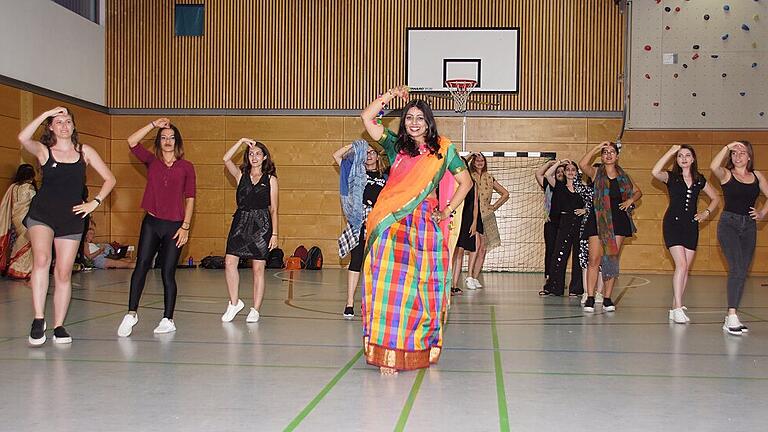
x=168, y=199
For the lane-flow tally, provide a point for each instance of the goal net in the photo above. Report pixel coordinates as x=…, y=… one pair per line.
x=521, y=219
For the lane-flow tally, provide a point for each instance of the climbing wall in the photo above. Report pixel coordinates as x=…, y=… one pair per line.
x=699, y=64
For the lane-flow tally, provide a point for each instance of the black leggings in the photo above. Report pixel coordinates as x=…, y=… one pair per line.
x=356, y=255
x=156, y=235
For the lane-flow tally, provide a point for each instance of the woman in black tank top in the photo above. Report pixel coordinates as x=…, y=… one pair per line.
x=254, y=225
x=737, y=229
x=55, y=216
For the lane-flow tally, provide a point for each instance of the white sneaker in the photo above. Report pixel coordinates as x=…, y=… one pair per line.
x=166, y=326
x=584, y=298
x=232, y=310
x=599, y=298
x=732, y=325
x=253, y=316
x=469, y=282
x=477, y=283
x=744, y=328
x=672, y=315
x=679, y=317
x=126, y=326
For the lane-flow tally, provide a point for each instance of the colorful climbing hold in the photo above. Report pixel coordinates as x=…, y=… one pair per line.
x=714, y=56
x=677, y=9
x=667, y=27
x=726, y=8
x=667, y=9
x=655, y=104
x=647, y=47
x=706, y=17
x=675, y=75
x=761, y=113
x=703, y=113
x=647, y=76
x=685, y=66
x=742, y=93
x=695, y=56
x=754, y=65
x=693, y=94
x=724, y=75
x=745, y=27
x=725, y=36
x=695, y=47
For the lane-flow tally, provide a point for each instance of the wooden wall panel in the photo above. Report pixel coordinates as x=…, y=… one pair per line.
x=338, y=54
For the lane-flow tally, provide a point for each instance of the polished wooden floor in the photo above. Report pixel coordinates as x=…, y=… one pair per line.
x=512, y=361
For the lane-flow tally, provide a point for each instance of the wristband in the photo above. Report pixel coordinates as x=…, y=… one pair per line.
x=98, y=200
x=274, y=235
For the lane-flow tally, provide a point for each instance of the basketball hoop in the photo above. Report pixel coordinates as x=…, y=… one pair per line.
x=460, y=90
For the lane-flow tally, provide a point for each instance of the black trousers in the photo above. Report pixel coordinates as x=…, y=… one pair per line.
x=550, y=233
x=737, y=235
x=566, y=243
x=156, y=235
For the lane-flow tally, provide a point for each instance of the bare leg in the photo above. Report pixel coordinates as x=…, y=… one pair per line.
x=66, y=250
x=258, y=282
x=353, y=278
x=689, y=255
x=232, y=276
x=480, y=256
x=593, y=265
x=41, y=238
x=458, y=258
x=679, y=255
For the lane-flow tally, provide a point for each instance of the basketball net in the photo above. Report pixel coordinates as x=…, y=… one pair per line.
x=460, y=90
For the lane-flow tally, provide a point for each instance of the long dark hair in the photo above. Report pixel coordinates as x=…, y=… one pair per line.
x=267, y=166
x=405, y=143
x=471, y=163
x=750, y=164
x=695, y=174
x=178, y=144
x=48, y=138
x=25, y=174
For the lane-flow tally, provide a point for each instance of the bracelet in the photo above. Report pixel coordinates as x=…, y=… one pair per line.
x=274, y=235
x=708, y=211
x=98, y=201
x=185, y=229
x=153, y=124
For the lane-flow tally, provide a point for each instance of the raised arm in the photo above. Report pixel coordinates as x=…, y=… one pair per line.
x=503, y=195
x=658, y=171
x=93, y=159
x=139, y=135
x=716, y=166
x=586, y=162
x=760, y=214
x=374, y=129
x=273, y=194
x=550, y=174
x=541, y=171
x=338, y=155
x=33, y=146
x=233, y=170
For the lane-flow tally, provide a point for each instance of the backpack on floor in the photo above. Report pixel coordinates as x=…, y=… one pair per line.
x=314, y=258
x=301, y=254
x=212, y=262
x=275, y=258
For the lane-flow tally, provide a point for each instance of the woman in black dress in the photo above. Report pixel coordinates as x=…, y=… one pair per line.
x=254, y=225
x=471, y=225
x=610, y=223
x=681, y=221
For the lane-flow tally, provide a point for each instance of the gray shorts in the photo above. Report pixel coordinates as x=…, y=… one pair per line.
x=32, y=222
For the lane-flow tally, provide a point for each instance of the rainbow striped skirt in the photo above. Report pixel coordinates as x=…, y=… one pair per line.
x=405, y=295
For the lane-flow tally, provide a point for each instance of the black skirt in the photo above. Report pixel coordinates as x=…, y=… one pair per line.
x=250, y=233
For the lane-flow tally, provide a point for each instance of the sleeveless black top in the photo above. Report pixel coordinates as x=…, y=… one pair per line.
x=739, y=197
x=62, y=189
x=252, y=196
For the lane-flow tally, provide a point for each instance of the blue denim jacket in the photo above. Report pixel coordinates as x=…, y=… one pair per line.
x=352, y=184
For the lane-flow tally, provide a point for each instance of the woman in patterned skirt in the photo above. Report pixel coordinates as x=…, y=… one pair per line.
x=407, y=249
x=254, y=226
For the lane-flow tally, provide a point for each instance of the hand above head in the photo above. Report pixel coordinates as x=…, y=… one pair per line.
x=162, y=123
x=401, y=91
x=675, y=148
x=56, y=111
x=736, y=146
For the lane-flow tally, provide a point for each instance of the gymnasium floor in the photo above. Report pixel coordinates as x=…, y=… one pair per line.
x=512, y=361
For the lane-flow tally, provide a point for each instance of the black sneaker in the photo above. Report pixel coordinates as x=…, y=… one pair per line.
x=60, y=336
x=608, y=305
x=589, y=305
x=349, y=312
x=456, y=291
x=37, y=334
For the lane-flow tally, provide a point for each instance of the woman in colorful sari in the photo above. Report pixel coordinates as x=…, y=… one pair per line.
x=405, y=295
x=610, y=222
x=15, y=249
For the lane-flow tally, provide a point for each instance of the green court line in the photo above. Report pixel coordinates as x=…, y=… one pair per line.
x=316, y=400
x=400, y=426
x=621, y=375
x=501, y=394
